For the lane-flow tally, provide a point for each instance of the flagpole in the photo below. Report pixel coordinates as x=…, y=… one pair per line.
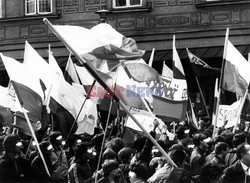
x=193, y=114
x=221, y=80
x=97, y=77
x=202, y=96
x=150, y=63
x=31, y=129
x=214, y=117
x=241, y=107
x=103, y=140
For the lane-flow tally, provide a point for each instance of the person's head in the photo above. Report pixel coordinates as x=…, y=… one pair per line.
x=73, y=141
x=12, y=144
x=180, y=132
x=221, y=149
x=218, y=139
x=111, y=170
x=210, y=172
x=178, y=156
x=138, y=171
x=139, y=143
x=55, y=138
x=243, y=154
x=199, y=142
x=239, y=139
x=46, y=148
x=81, y=151
x=109, y=154
x=125, y=155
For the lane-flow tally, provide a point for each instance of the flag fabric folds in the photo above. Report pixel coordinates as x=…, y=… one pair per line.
x=70, y=73
x=54, y=65
x=141, y=72
x=129, y=91
x=166, y=71
x=199, y=67
x=65, y=99
x=236, y=75
x=100, y=42
x=178, y=71
x=6, y=99
x=28, y=90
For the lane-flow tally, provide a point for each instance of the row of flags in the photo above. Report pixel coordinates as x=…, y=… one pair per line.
x=73, y=96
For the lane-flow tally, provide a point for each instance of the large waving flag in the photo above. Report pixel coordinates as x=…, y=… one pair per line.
x=65, y=100
x=236, y=75
x=100, y=42
x=166, y=103
x=28, y=90
x=199, y=67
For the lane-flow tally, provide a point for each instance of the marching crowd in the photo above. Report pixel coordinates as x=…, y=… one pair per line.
x=197, y=157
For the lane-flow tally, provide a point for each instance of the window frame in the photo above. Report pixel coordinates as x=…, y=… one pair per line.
x=26, y=7
x=114, y=6
x=44, y=13
x=37, y=6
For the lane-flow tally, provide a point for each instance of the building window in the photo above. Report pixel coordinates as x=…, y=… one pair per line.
x=33, y=7
x=126, y=3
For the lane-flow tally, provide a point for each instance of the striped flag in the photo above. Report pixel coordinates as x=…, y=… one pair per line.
x=236, y=75
x=28, y=90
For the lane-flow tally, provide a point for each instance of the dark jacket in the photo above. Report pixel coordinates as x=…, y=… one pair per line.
x=235, y=173
x=17, y=170
x=39, y=171
x=80, y=171
x=197, y=160
x=177, y=175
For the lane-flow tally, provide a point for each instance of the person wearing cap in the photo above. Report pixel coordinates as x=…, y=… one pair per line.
x=58, y=158
x=13, y=167
x=240, y=171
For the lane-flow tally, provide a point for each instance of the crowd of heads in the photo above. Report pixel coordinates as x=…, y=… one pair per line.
x=193, y=155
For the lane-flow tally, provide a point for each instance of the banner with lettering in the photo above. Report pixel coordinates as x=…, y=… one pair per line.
x=228, y=114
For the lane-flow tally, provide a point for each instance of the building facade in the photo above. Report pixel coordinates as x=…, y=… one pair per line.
x=199, y=25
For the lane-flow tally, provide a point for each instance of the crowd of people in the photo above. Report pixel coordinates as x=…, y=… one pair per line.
x=107, y=158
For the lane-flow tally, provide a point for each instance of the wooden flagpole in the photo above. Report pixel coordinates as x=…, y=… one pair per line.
x=221, y=80
x=97, y=77
x=31, y=128
x=241, y=107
